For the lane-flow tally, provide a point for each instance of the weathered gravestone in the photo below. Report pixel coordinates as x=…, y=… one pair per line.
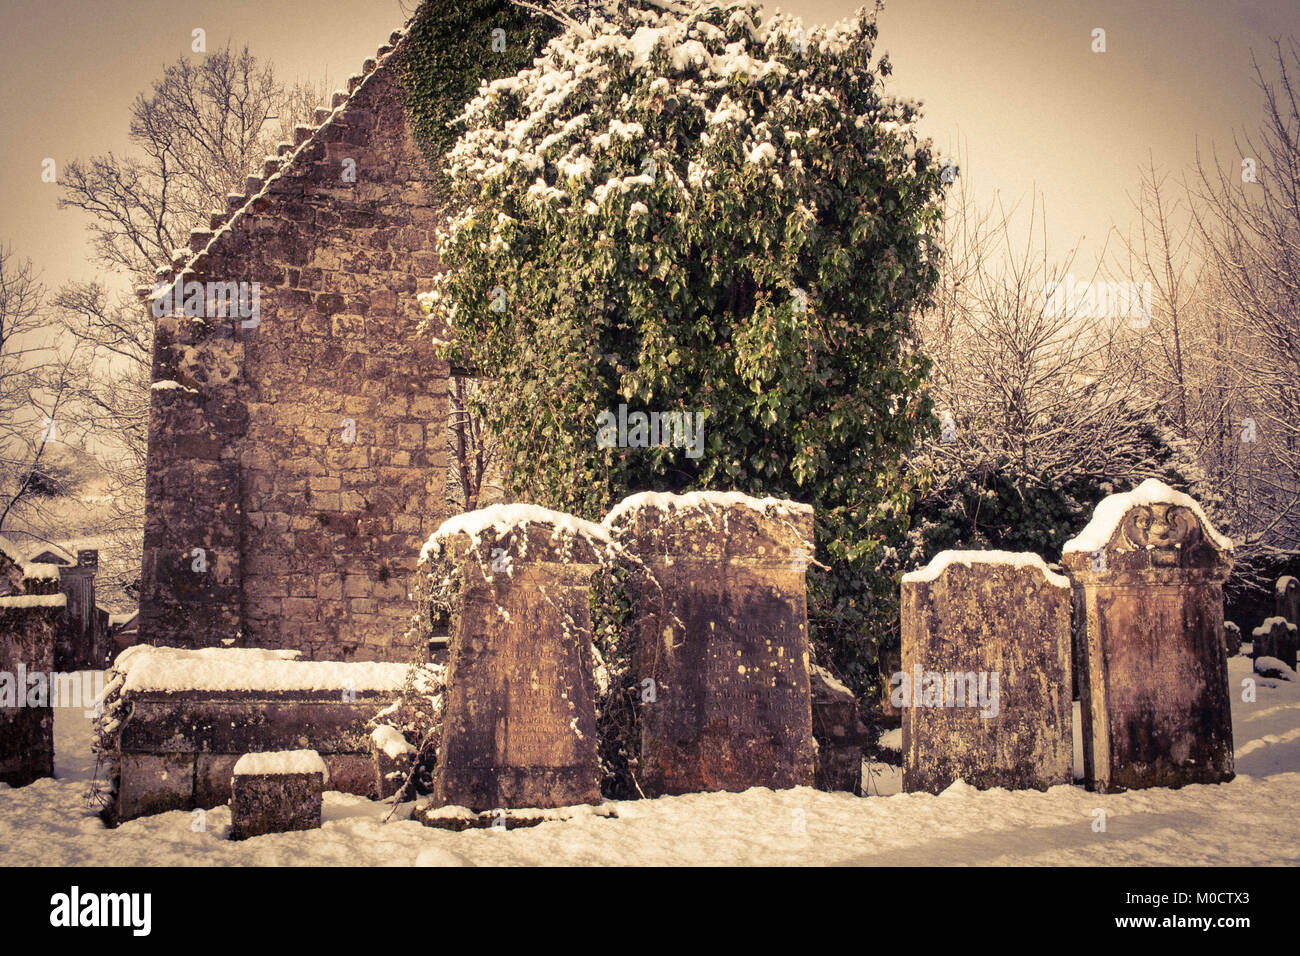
x=276, y=792
x=985, y=684
x=519, y=722
x=1154, y=680
x=1276, y=637
x=28, y=625
x=1287, y=596
x=1231, y=638
x=721, y=636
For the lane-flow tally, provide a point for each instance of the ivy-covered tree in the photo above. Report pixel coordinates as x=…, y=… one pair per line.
x=452, y=47
x=704, y=210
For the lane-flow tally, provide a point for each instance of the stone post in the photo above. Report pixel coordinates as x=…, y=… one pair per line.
x=519, y=720
x=1154, y=685
x=28, y=624
x=985, y=680
x=1287, y=596
x=1231, y=638
x=721, y=640
x=840, y=733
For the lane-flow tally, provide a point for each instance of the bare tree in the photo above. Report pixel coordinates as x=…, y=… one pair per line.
x=204, y=127
x=1027, y=387
x=37, y=384
x=1248, y=218
x=475, y=479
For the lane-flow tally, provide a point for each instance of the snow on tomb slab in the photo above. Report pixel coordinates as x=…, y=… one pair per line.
x=1112, y=509
x=1016, y=559
x=246, y=655
x=35, y=600
x=277, y=762
x=499, y=519
x=702, y=501
x=246, y=669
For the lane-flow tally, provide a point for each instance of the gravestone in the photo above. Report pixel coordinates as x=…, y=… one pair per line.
x=519, y=721
x=276, y=792
x=1276, y=637
x=1287, y=597
x=1154, y=682
x=985, y=680
x=1231, y=638
x=721, y=635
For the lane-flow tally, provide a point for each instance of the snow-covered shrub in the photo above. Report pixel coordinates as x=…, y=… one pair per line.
x=451, y=47
x=699, y=208
x=417, y=716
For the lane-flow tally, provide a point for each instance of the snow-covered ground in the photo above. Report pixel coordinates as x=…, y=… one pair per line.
x=1251, y=820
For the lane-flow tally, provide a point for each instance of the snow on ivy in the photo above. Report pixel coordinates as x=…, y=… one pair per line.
x=562, y=138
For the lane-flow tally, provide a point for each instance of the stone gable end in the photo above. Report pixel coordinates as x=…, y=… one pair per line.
x=297, y=457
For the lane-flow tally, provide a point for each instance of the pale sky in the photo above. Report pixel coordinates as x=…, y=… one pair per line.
x=1014, y=80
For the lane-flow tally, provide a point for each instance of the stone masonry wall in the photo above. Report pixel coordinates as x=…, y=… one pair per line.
x=303, y=453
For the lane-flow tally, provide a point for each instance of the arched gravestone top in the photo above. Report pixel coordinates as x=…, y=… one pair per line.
x=1148, y=571
x=512, y=528
x=1152, y=528
x=743, y=527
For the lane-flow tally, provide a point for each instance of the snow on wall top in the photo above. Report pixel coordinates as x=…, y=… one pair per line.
x=1015, y=559
x=280, y=762
x=35, y=600
x=1112, y=509
x=702, y=500
x=1269, y=622
x=171, y=670
x=499, y=519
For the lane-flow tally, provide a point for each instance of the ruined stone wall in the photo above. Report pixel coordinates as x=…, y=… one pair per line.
x=27, y=627
x=301, y=452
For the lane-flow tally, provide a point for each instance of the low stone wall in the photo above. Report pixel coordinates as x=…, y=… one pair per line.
x=28, y=624
x=175, y=722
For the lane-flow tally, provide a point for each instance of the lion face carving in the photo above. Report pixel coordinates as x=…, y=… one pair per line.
x=1163, y=530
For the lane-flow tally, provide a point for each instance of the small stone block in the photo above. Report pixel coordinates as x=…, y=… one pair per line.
x=276, y=792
